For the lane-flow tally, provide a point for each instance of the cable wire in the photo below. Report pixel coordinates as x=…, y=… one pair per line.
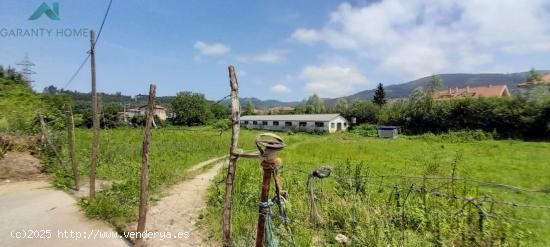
x=75, y=74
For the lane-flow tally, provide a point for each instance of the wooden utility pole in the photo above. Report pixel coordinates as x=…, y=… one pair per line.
x=95, y=113
x=70, y=144
x=233, y=156
x=144, y=193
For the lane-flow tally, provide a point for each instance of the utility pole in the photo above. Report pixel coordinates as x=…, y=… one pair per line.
x=95, y=141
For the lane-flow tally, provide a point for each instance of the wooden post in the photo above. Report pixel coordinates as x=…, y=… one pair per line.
x=235, y=127
x=70, y=144
x=144, y=193
x=95, y=116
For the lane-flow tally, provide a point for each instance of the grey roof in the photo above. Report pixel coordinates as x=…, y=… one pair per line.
x=297, y=117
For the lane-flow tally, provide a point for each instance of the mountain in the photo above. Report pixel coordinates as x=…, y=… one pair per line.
x=262, y=104
x=403, y=90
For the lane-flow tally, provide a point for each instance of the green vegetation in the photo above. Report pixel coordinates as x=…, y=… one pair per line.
x=379, y=97
x=173, y=150
x=364, y=206
x=18, y=103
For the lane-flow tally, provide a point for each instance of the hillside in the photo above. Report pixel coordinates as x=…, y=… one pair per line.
x=392, y=91
x=449, y=80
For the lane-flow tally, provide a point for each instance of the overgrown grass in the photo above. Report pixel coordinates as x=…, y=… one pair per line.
x=173, y=151
x=370, y=212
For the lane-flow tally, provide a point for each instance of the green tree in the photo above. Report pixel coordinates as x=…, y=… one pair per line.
x=435, y=84
x=249, y=108
x=533, y=76
x=417, y=94
x=379, y=97
x=220, y=111
x=363, y=111
x=191, y=109
x=315, y=105
x=341, y=105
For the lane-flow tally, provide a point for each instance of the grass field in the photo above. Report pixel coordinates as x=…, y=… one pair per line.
x=364, y=209
x=173, y=150
x=371, y=213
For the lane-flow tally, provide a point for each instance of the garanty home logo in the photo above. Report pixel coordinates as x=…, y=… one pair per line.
x=38, y=32
x=53, y=14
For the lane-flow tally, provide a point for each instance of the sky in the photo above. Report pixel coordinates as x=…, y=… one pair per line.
x=285, y=50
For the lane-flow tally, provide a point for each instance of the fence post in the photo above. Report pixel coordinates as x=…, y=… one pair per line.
x=70, y=144
x=144, y=192
x=235, y=128
x=46, y=137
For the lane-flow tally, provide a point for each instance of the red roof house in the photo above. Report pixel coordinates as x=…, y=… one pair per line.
x=472, y=92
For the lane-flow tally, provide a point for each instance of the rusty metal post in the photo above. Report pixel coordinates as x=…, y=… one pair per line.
x=270, y=162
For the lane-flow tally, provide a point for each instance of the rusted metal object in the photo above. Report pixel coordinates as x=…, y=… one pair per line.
x=268, y=144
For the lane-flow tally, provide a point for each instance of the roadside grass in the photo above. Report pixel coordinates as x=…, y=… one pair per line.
x=370, y=214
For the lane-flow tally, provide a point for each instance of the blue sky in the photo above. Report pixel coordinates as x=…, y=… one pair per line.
x=282, y=50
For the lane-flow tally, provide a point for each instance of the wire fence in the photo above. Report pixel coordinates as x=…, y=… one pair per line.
x=457, y=200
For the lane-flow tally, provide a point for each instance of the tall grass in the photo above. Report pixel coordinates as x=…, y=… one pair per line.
x=173, y=151
x=372, y=212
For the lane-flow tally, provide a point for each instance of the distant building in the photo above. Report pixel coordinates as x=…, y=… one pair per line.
x=529, y=84
x=302, y=122
x=158, y=111
x=472, y=92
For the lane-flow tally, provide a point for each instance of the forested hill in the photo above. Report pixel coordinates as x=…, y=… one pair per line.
x=392, y=91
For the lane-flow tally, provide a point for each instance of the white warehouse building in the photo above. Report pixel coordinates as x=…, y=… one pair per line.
x=302, y=122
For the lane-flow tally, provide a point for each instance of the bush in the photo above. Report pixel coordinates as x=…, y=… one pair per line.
x=365, y=130
x=457, y=136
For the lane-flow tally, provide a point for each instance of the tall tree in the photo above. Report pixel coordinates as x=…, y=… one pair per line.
x=191, y=109
x=533, y=76
x=435, y=84
x=315, y=105
x=249, y=108
x=379, y=97
x=341, y=105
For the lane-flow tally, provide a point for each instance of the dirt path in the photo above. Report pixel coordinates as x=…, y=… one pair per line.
x=34, y=205
x=179, y=210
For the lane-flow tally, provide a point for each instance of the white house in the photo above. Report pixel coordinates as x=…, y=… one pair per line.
x=303, y=122
x=158, y=110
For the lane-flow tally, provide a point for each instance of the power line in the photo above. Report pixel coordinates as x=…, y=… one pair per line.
x=88, y=52
x=103, y=22
x=77, y=71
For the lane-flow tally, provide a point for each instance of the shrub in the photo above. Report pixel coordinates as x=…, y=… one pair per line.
x=365, y=130
x=457, y=136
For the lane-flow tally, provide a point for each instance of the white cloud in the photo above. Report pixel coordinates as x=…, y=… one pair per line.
x=279, y=88
x=421, y=37
x=331, y=80
x=270, y=56
x=211, y=49
x=307, y=36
